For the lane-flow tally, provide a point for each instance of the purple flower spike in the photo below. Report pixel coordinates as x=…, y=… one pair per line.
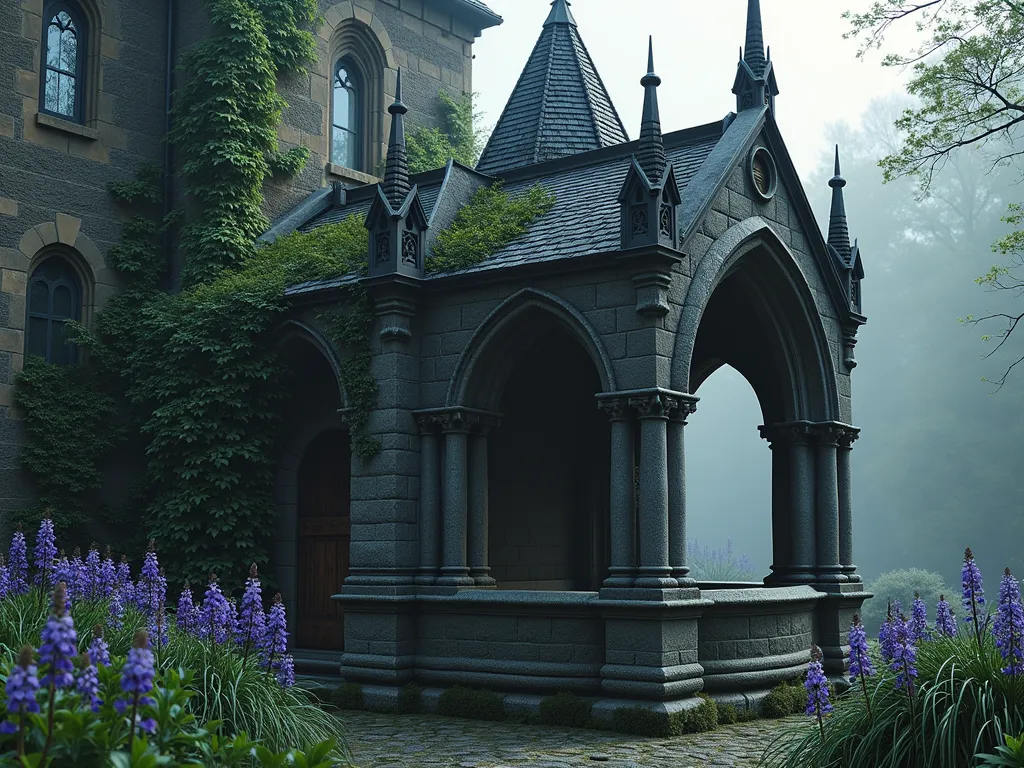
x=919, y=620
x=816, y=685
x=137, y=681
x=88, y=684
x=17, y=567
x=107, y=580
x=275, y=635
x=187, y=617
x=5, y=579
x=59, y=644
x=887, y=636
x=151, y=590
x=904, y=655
x=286, y=671
x=22, y=686
x=98, y=650
x=945, y=622
x=45, y=553
x=215, y=617
x=117, y=609
x=93, y=565
x=252, y=621
x=973, y=593
x=1009, y=625
x=860, y=660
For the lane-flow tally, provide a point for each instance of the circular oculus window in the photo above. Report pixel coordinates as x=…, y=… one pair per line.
x=763, y=173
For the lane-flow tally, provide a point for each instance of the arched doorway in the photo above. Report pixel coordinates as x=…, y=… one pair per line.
x=549, y=471
x=324, y=535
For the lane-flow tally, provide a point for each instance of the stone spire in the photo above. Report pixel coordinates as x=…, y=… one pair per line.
x=753, y=50
x=838, y=228
x=651, y=152
x=396, y=175
x=560, y=13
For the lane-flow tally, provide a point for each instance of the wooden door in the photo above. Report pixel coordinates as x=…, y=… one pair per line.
x=324, y=534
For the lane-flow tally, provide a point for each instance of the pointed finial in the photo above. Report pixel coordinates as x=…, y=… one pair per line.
x=560, y=13
x=753, y=51
x=651, y=152
x=838, y=227
x=396, y=184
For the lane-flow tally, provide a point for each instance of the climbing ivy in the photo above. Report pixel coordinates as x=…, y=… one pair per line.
x=459, y=138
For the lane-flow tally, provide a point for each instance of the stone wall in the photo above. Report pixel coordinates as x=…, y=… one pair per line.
x=54, y=173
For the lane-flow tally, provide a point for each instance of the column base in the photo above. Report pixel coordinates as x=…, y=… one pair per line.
x=455, y=576
x=425, y=577
x=831, y=574
x=655, y=578
x=483, y=580
x=619, y=577
x=798, y=574
x=851, y=574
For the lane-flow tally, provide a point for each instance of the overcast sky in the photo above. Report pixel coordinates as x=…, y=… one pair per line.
x=696, y=46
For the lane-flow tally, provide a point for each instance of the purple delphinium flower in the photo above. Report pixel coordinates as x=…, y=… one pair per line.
x=945, y=622
x=125, y=585
x=116, y=611
x=275, y=635
x=98, y=650
x=251, y=621
x=973, y=593
x=107, y=579
x=45, y=553
x=904, y=656
x=5, y=579
x=158, y=627
x=285, y=670
x=59, y=644
x=17, y=567
x=215, y=614
x=62, y=571
x=860, y=660
x=137, y=681
x=78, y=583
x=92, y=581
x=187, y=616
x=919, y=620
x=152, y=587
x=816, y=685
x=887, y=636
x=88, y=683
x=21, y=689
x=1009, y=625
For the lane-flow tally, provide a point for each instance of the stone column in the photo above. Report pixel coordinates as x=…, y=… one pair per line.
x=677, y=491
x=430, y=497
x=845, y=483
x=454, y=571
x=802, y=502
x=654, y=571
x=623, y=495
x=826, y=487
x=782, y=512
x=479, y=570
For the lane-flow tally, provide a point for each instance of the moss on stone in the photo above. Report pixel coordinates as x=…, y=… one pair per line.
x=471, y=703
x=566, y=709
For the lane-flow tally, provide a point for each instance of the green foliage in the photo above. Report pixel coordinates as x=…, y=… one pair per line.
x=410, y=699
x=59, y=402
x=1007, y=755
x=728, y=714
x=491, y=220
x=471, y=703
x=961, y=707
x=640, y=721
x=783, y=700
x=565, y=709
x=225, y=122
x=348, y=696
x=901, y=585
x=429, y=148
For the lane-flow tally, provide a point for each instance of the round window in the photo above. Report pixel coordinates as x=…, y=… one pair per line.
x=763, y=174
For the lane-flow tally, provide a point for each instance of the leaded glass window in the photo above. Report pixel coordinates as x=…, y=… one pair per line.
x=63, y=51
x=346, y=136
x=54, y=297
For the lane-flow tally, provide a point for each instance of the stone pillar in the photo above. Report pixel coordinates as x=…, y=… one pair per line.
x=845, y=483
x=430, y=498
x=826, y=492
x=677, y=492
x=454, y=570
x=654, y=570
x=782, y=512
x=479, y=570
x=802, y=502
x=622, y=570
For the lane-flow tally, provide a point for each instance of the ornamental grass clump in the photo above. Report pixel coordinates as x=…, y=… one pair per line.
x=940, y=698
x=120, y=676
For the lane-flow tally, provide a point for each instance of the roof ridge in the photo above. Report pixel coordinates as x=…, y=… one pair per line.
x=586, y=91
x=547, y=85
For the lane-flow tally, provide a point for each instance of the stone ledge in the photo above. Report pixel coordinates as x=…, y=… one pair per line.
x=349, y=174
x=59, y=124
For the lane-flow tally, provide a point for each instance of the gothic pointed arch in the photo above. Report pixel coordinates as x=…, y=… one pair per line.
x=69, y=60
x=507, y=333
x=750, y=305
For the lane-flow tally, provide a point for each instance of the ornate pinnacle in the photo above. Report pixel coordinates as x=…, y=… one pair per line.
x=651, y=153
x=838, y=228
x=396, y=184
x=753, y=52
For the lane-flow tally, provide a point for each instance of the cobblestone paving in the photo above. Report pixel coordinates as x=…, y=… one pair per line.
x=412, y=741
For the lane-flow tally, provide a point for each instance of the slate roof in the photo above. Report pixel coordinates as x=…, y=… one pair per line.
x=559, y=107
x=363, y=197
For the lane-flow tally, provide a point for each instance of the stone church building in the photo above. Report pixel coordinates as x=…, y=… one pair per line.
x=524, y=526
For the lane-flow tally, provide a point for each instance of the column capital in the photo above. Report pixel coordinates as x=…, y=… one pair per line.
x=794, y=432
x=649, y=403
x=848, y=436
x=457, y=420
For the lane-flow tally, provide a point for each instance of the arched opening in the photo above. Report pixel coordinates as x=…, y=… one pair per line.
x=347, y=112
x=358, y=113
x=729, y=475
x=549, y=471
x=54, y=297
x=313, y=489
